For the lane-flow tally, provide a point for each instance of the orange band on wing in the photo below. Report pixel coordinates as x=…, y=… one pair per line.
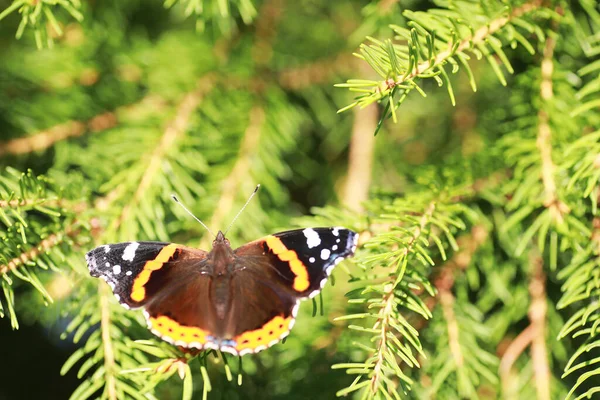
x=165, y=326
x=263, y=336
x=301, y=282
x=138, y=291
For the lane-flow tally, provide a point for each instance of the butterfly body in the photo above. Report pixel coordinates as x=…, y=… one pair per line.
x=239, y=301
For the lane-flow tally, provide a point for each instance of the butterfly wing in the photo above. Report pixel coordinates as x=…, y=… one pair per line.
x=302, y=259
x=135, y=271
x=170, y=281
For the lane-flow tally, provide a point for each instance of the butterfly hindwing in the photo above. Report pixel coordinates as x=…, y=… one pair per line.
x=303, y=258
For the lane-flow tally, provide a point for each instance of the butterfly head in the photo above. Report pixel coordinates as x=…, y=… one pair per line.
x=221, y=240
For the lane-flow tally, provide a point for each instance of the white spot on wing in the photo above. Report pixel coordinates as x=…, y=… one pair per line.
x=335, y=247
x=325, y=253
x=312, y=238
x=335, y=231
x=116, y=269
x=229, y=349
x=106, y=248
x=129, y=252
x=312, y=259
x=107, y=264
x=128, y=273
x=245, y=351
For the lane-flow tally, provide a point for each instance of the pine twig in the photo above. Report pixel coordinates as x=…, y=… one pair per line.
x=510, y=356
x=109, y=356
x=479, y=36
x=360, y=158
x=537, y=315
x=316, y=73
x=266, y=31
x=447, y=302
x=174, y=130
x=240, y=169
x=46, y=138
x=543, y=142
x=384, y=314
x=43, y=247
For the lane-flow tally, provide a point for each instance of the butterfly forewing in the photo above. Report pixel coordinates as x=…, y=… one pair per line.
x=134, y=270
x=304, y=258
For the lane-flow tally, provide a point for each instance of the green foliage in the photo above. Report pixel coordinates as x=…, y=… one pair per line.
x=219, y=11
x=477, y=270
x=39, y=16
x=32, y=245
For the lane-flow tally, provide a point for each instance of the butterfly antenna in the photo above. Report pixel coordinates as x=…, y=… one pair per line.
x=176, y=200
x=239, y=212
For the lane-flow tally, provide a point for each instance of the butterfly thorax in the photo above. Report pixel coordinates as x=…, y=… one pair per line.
x=221, y=258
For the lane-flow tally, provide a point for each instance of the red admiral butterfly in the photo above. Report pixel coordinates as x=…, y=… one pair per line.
x=239, y=301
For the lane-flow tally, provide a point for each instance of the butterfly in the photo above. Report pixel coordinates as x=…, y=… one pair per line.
x=238, y=301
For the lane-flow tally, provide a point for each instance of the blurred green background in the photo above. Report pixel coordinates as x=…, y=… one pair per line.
x=138, y=101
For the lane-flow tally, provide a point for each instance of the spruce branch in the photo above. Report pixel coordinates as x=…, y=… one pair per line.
x=447, y=303
x=459, y=364
x=35, y=229
x=537, y=315
x=239, y=172
x=544, y=138
x=316, y=73
x=360, y=158
x=46, y=245
x=391, y=275
x=47, y=138
x=218, y=12
x=39, y=16
x=433, y=41
x=266, y=30
x=173, y=131
x=105, y=328
x=511, y=354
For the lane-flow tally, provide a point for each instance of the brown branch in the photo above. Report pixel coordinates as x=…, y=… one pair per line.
x=109, y=355
x=43, y=247
x=18, y=203
x=478, y=37
x=537, y=315
x=266, y=31
x=241, y=168
x=46, y=138
x=360, y=158
x=447, y=302
x=317, y=73
x=174, y=130
x=544, y=138
x=510, y=356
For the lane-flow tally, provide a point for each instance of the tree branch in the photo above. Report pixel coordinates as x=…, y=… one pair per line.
x=388, y=299
x=174, y=130
x=478, y=37
x=109, y=355
x=360, y=159
x=45, y=139
x=510, y=356
x=240, y=169
x=316, y=73
x=537, y=316
x=43, y=247
x=544, y=138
